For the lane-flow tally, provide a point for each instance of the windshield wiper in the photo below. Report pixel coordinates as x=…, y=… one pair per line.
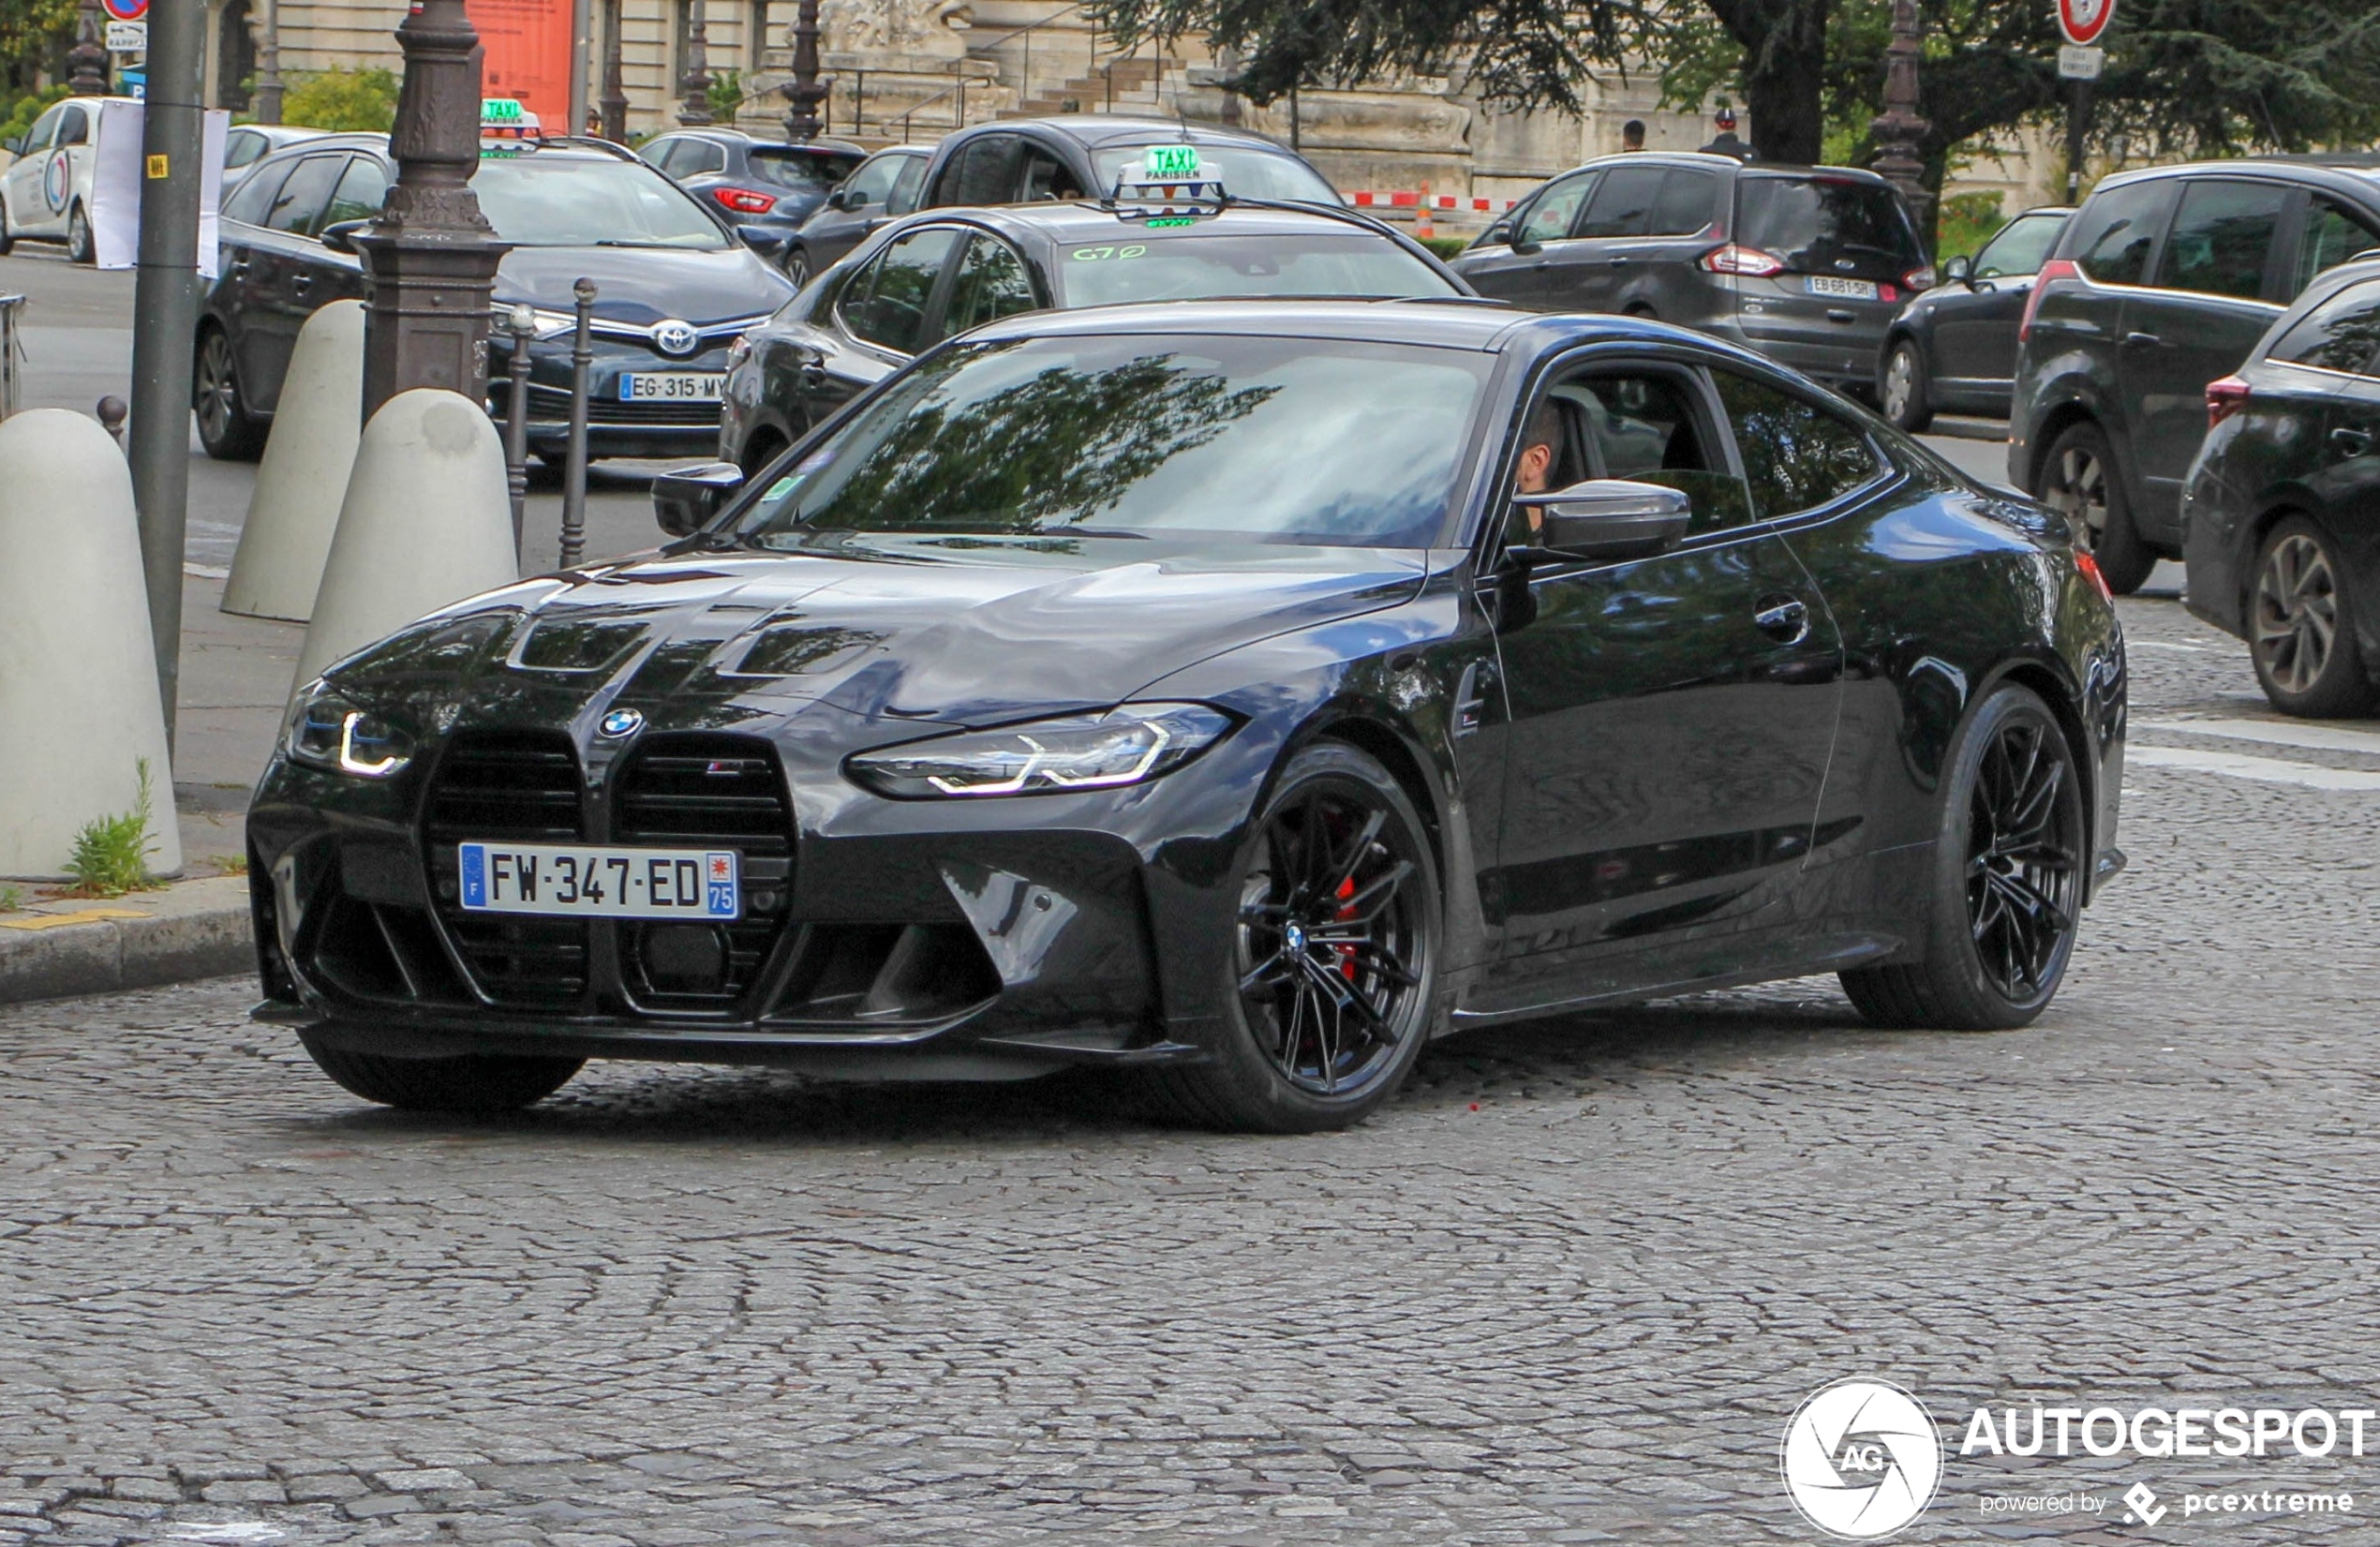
x=624, y=241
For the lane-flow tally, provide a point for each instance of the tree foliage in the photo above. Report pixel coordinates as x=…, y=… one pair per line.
x=344, y=100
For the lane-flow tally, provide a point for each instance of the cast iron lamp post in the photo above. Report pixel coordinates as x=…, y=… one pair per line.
x=695, y=84
x=87, y=61
x=804, y=91
x=431, y=256
x=1899, y=129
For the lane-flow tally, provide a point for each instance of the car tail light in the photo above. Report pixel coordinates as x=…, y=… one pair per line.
x=2225, y=396
x=1736, y=259
x=744, y=200
x=1919, y=279
x=2089, y=564
x=2056, y=268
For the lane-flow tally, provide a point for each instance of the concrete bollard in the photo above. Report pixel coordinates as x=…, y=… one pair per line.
x=295, y=507
x=78, y=709
x=428, y=520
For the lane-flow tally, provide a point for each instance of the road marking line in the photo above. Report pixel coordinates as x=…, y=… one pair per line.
x=83, y=915
x=2273, y=733
x=2164, y=645
x=2270, y=771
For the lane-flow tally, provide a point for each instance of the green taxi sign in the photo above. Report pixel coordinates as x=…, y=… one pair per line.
x=500, y=109
x=1160, y=163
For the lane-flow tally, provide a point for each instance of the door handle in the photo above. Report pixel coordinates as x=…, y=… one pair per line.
x=1784, y=618
x=301, y=283
x=1833, y=316
x=2144, y=341
x=2351, y=440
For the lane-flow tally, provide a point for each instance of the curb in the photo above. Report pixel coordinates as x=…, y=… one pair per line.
x=191, y=930
x=1958, y=429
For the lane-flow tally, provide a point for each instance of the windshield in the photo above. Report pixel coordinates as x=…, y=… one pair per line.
x=574, y=201
x=1188, y=266
x=2022, y=248
x=1827, y=225
x=1268, y=439
x=1249, y=173
x=805, y=171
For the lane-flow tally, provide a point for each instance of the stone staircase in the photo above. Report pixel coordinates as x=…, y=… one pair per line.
x=1131, y=84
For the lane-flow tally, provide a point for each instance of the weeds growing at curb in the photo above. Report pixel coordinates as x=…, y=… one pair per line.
x=111, y=853
x=11, y=900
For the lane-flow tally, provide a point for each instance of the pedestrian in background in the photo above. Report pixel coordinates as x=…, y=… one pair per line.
x=1725, y=142
x=1633, y=135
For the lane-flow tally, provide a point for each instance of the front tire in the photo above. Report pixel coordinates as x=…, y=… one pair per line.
x=2008, y=868
x=797, y=266
x=482, y=1083
x=80, y=247
x=2079, y=478
x=225, y=427
x=7, y=239
x=1334, y=977
x=2301, y=625
x=1903, y=391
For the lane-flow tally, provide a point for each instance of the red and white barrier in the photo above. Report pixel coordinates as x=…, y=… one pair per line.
x=1410, y=199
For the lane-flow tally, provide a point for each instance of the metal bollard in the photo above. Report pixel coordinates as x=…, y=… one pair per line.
x=574, y=467
x=520, y=322
x=112, y=411
x=12, y=350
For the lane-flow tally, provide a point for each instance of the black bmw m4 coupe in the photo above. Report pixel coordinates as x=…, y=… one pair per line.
x=1241, y=694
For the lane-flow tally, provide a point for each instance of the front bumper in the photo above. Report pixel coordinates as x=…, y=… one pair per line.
x=882, y=939
x=615, y=427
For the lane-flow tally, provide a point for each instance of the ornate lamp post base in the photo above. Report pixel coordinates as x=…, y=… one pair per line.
x=1899, y=130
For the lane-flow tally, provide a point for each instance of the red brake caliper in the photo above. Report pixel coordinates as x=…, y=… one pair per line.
x=1346, y=953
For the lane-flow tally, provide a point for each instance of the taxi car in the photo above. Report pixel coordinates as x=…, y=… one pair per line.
x=1234, y=693
x=939, y=272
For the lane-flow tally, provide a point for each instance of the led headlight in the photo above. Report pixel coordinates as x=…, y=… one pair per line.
x=325, y=731
x=1126, y=746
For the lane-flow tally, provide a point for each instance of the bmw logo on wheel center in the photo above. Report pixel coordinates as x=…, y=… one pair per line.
x=1861, y=1459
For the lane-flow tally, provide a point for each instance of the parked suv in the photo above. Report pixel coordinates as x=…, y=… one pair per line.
x=1807, y=264
x=2164, y=281
x=765, y=188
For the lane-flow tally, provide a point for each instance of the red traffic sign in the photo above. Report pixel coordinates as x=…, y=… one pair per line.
x=125, y=10
x=2081, y=21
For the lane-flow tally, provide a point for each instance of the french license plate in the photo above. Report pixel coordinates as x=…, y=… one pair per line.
x=695, y=386
x=573, y=881
x=1849, y=289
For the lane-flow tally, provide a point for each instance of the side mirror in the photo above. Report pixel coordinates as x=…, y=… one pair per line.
x=1522, y=248
x=340, y=235
x=687, y=500
x=841, y=199
x=1960, y=270
x=767, y=243
x=1608, y=519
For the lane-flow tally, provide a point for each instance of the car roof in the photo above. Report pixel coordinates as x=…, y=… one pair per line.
x=745, y=136
x=2340, y=173
x=1075, y=220
x=1723, y=163
x=567, y=149
x=1098, y=131
x=1455, y=323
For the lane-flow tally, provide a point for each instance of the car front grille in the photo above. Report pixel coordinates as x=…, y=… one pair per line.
x=551, y=405
x=523, y=787
x=701, y=791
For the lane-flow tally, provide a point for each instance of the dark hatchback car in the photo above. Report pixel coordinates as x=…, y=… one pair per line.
x=1953, y=350
x=674, y=288
x=938, y=274
x=1807, y=264
x=1084, y=155
x=2164, y=281
x=884, y=188
x=2281, y=513
x=1238, y=694
x=764, y=188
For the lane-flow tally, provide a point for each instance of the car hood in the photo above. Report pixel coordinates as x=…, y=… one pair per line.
x=646, y=284
x=951, y=632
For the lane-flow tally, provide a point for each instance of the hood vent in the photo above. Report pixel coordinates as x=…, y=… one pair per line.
x=797, y=649
x=575, y=645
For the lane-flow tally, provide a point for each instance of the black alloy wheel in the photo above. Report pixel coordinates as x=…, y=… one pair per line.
x=225, y=428
x=2301, y=625
x=2080, y=479
x=797, y=266
x=2010, y=874
x=8, y=240
x=486, y=1083
x=1903, y=389
x=1335, y=959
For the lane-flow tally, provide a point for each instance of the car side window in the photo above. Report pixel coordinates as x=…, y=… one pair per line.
x=1648, y=426
x=656, y=154
x=887, y=305
x=1046, y=178
x=903, y=197
x=872, y=182
x=241, y=148
x=363, y=188
x=2342, y=334
x=1688, y=201
x=2222, y=237
x=2330, y=236
x=698, y=158
x=297, y=208
x=1798, y=454
x=2114, y=237
x=1554, y=211
x=249, y=201
x=993, y=283
x=75, y=128
x=1622, y=203
x=985, y=171
x=44, y=130
x=2021, y=248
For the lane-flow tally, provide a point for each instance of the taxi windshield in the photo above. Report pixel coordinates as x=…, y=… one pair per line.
x=1195, y=264
x=543, y=200
x=1323, y=441
x=1245, y=170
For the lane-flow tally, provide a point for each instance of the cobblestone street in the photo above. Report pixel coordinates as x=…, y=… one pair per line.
x=1567, y=1287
